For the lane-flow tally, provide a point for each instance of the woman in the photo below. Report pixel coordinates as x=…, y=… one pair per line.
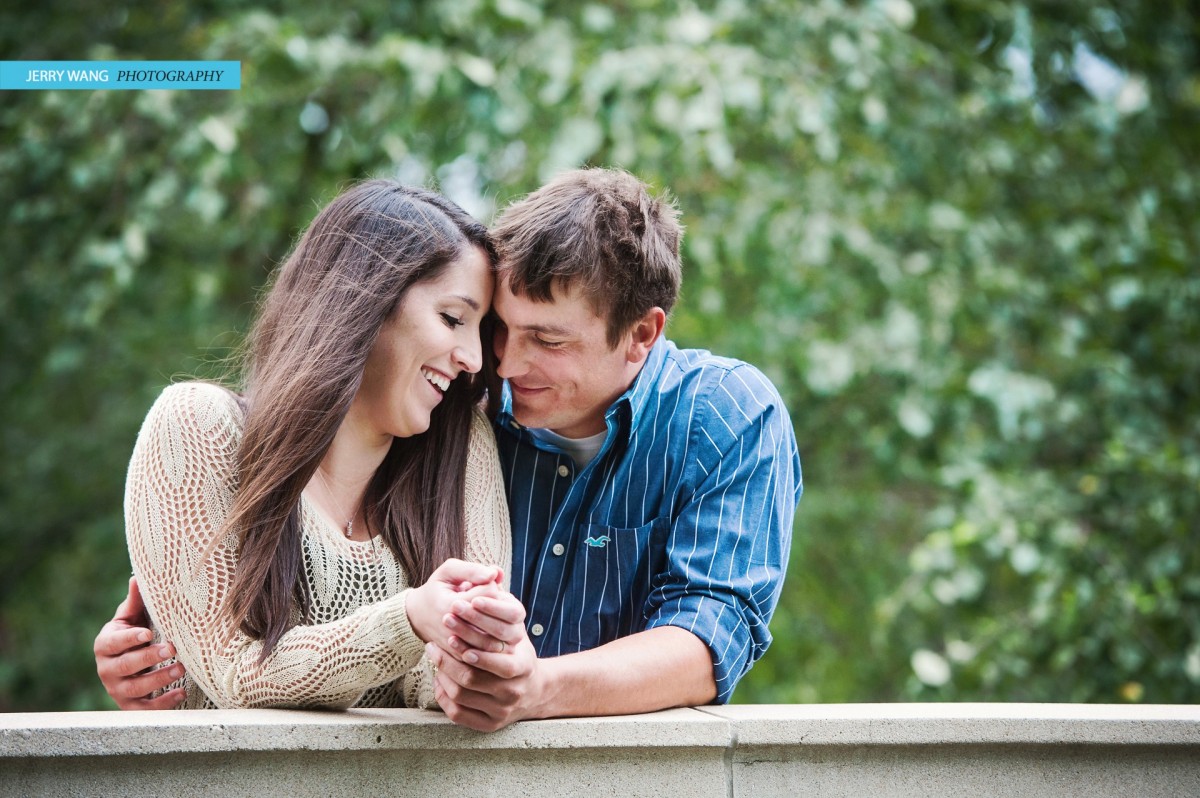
x=276, y=535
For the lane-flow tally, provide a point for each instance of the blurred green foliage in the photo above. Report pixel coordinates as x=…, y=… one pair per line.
x=961, y=237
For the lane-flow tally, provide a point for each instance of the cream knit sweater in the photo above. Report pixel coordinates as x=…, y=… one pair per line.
x=358, y=649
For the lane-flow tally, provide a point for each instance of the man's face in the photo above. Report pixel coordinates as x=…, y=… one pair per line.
x=556, y=358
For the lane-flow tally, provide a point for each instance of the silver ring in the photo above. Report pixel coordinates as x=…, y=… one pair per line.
x=503, y=646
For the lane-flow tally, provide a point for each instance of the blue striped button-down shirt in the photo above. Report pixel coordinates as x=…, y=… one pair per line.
x=683, y=519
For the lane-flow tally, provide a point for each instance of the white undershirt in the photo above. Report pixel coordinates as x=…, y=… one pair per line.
x=581, y=450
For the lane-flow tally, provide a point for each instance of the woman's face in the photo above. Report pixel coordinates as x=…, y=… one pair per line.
x=427, y=341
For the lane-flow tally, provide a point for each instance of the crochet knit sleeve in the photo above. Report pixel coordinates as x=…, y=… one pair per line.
x=179, y=491
x=489, y=535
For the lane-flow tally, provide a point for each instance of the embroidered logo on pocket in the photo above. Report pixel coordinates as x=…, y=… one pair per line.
x=599, y=542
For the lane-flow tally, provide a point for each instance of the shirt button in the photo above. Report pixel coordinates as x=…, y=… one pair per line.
x=563, y=471
x=558, y=549
x=536, y=630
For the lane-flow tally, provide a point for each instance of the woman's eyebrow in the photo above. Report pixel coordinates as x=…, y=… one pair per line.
x=471, y=302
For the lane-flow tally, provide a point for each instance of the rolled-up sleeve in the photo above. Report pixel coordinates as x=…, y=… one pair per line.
x=728, y=546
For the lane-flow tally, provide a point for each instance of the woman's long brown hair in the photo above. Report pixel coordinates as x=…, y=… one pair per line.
x=304, y=362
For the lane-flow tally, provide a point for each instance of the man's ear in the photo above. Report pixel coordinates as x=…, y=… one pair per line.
x=644, y=333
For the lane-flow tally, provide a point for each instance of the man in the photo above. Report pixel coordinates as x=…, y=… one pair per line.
x=651, y=489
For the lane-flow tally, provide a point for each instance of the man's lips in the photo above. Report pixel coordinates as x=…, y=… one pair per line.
x=522, y=390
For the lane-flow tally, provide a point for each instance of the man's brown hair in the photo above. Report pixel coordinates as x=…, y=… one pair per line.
x=600, y=231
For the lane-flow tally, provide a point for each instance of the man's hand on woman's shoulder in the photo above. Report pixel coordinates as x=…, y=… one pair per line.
x=127, y=661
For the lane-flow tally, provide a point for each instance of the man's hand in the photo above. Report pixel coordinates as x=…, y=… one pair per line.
x=491, y=693
x=125, y=657
x=487, y=690
x=653, y=669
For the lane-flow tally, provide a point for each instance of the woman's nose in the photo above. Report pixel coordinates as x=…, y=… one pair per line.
x=469, y=356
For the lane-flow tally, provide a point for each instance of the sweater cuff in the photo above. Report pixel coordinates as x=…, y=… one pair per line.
x=405, y=639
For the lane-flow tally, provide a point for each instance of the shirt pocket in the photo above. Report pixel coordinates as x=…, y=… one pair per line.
x=612, y=575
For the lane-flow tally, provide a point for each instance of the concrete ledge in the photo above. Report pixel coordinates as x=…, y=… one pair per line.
x=894, y=750
x=394, y=752
x=63, y=734
x=962, y=724
x=878, y=750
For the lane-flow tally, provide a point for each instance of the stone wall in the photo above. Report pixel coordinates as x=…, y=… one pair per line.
x=874, y=750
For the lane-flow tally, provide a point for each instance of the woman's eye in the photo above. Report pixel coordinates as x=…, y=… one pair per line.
x=452, y=321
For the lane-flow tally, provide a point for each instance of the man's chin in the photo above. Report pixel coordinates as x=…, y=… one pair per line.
x=527, y=418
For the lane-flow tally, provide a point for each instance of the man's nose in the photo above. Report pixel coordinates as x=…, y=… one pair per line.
x=508, y=356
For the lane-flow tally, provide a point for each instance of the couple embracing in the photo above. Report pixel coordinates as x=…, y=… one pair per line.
x=464, y=469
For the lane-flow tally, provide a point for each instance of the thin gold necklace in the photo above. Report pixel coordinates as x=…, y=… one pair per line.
x=349, y=521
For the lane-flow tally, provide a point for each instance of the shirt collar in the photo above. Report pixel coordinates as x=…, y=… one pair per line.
x=504, y=416
x=638, y=395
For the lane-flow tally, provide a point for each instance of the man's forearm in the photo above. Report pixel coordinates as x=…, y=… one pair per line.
x=659, y=668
